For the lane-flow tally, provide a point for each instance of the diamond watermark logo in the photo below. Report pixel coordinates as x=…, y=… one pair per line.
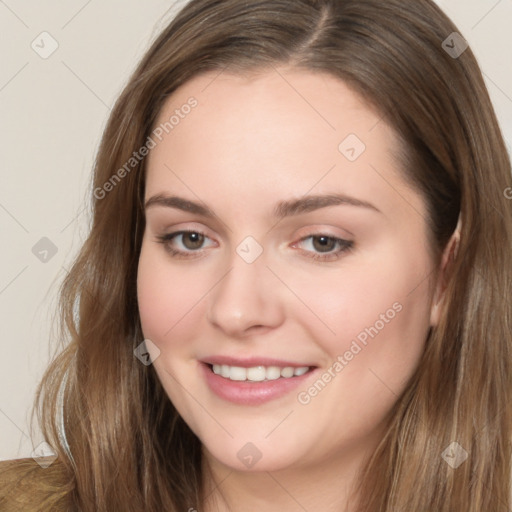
x=44, y=45
x=352, y=147
x=249, y=249
x=454, y=455
x=455, y=45
x=249, y=455
x=147, y=352
x=44, y=250
x=44, y=455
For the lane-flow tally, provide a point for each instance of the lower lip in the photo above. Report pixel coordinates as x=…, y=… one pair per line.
x=251, y=393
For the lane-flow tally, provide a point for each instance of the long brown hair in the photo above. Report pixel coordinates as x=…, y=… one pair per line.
x=129, y=449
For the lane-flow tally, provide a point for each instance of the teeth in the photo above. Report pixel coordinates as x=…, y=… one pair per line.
x=224, y=370
x=273, y=373
x=287, y=372
x=258, y=373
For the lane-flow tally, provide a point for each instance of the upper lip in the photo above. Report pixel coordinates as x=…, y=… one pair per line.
x=251, y=362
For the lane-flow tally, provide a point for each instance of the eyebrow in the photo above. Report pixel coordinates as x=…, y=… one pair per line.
x=283, y=209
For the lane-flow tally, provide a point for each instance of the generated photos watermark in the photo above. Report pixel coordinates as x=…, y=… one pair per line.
x=137, y=156
x=357, y=345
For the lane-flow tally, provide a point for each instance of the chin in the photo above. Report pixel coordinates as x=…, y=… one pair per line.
x=251, y=458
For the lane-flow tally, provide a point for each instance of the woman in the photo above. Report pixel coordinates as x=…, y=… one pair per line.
x=301, y=208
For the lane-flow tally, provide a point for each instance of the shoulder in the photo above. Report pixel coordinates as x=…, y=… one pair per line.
x=27, y=486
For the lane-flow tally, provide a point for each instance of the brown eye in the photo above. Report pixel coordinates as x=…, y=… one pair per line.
x=324, y=247
x=324, y=243
x=185, y=244
x=192, y=240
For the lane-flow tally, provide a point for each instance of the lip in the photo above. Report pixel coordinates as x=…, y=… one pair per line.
x=252, y=393
x=252, y=361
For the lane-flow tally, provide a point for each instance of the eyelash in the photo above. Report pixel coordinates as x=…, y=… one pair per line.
x=345, y=246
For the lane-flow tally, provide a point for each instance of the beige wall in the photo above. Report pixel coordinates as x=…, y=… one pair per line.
x=53, y=110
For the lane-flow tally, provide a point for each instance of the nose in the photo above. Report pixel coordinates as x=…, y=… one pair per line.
x=246, y=300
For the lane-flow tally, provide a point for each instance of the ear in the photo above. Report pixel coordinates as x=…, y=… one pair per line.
x=449, y=255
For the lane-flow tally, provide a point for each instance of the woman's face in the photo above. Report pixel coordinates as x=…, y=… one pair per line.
x=306, y=249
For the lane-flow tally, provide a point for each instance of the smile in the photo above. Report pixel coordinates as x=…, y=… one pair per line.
x=255, y=385
x=258, y=373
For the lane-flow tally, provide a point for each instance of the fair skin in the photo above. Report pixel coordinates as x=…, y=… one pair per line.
x=249, y=144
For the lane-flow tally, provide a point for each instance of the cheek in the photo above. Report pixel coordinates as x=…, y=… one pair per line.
x=380, y=330
x=373, y=316
x=166, y=297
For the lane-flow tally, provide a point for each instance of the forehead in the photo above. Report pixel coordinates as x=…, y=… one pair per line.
x=278, y=133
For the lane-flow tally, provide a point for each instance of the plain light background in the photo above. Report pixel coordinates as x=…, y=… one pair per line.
x=53, y=111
